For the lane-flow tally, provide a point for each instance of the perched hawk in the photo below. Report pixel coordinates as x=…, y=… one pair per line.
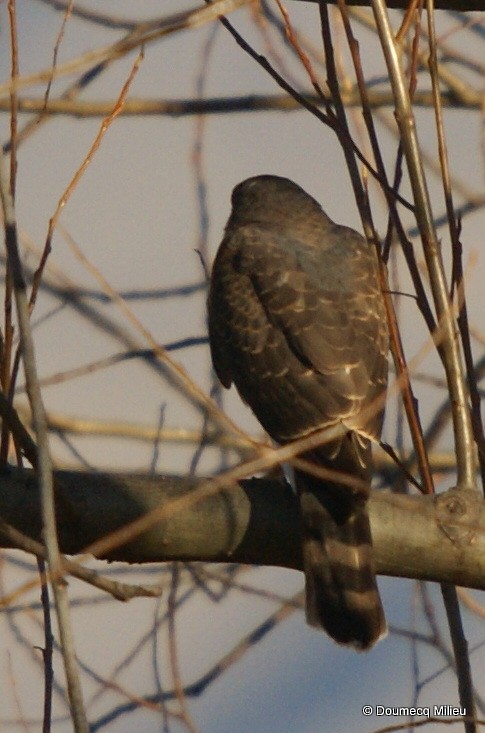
x=297, y=323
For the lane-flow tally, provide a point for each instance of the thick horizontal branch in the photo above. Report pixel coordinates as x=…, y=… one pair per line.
x=254, y=522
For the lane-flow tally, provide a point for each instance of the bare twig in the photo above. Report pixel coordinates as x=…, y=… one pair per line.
x=146, y=107
x=451, y=353
x=460, y=646
x=462, y=659
x=146, y=34
x=47, y=651
x=173, y=651
x=57, y=45
x=120, y=591
x=195, y=689
x=7, y=339
x=457, y=275
x=44, y=462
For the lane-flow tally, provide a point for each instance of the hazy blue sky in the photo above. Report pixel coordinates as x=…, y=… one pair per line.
x=135, y=215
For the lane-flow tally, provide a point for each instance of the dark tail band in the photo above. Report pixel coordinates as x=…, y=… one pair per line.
x=341, y=590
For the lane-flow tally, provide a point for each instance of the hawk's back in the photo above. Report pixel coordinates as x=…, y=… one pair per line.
x=297, y=323
x=295, y=313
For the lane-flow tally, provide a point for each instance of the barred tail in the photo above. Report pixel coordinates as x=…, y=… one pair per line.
x=341, y=590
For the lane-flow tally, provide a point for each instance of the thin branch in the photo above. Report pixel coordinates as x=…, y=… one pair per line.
x=107, y=122
x=144, y=107
x=456, y=5
x=102, y=19
x=327, y=119
x=450, y=345
x=407, y=395
x=44, y=462
x=146, y=33
x=188, y=387
x=458, y=280
x=173, y=651
x=462, y=659
x=47, y=651
x=7, y=339
x=120, y=591
x=195, y=689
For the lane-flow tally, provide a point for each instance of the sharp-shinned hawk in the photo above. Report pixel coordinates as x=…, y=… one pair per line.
x=297, y=323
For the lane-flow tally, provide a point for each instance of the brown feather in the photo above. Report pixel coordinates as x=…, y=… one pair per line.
x=297, y=323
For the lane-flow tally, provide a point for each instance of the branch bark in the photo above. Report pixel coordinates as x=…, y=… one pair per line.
x=440, y=538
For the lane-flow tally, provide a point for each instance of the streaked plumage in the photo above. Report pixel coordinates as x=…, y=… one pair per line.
x=297, y=323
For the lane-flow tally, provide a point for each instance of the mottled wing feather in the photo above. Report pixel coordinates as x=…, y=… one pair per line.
x=296, y=321
x=329, y=314
x=237, y=323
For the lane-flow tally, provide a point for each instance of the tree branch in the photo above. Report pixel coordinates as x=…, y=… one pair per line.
x=440, y=538
x=455, y=5
x=131, y=24
x=146, y=107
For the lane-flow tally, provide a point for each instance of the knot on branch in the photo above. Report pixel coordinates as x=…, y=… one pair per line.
x=458, y=514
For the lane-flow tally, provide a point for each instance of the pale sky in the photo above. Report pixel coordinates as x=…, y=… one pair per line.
x=134, y=215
